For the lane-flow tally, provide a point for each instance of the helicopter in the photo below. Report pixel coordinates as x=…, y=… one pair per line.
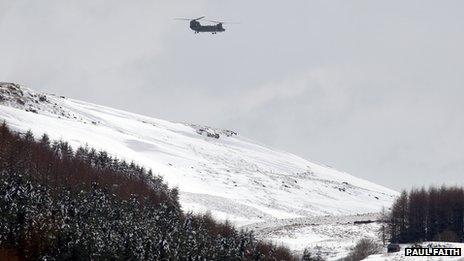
x=197, y=27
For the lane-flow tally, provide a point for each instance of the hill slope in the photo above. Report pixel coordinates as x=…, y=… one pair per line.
x=216, y=170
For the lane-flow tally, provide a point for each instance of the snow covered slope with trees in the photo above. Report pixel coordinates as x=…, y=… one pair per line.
x=216, y=170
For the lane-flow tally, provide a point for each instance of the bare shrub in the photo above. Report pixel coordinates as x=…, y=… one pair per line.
x=308, y=256
x=364, y=248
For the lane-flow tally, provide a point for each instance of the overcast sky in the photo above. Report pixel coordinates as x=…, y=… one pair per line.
x=373, y=88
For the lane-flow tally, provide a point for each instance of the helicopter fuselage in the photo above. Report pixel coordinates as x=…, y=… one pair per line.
x=199, y=28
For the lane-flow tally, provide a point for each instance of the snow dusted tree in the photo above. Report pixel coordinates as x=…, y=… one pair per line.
x=383, y=232
x=57, y=204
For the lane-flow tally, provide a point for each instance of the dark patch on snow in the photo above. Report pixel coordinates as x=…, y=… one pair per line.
x=212, y=132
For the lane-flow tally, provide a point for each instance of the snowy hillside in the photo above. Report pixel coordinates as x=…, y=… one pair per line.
x=216, y=170
x=331, y=237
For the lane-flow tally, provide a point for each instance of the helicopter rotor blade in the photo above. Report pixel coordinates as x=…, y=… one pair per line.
x=183, y=19
x=221, y=22
x=189, y=19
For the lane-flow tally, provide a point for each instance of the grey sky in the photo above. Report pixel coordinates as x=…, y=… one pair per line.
x=374, y=88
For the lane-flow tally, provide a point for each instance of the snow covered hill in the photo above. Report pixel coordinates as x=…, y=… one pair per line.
x=215, y=170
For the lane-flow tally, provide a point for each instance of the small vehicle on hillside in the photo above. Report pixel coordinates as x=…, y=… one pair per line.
x=393, y=247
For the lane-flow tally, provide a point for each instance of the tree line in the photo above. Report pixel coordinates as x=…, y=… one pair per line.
x=57, y=203
x=436, y=214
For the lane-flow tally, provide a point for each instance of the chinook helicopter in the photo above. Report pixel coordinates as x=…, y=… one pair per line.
x=197, y=27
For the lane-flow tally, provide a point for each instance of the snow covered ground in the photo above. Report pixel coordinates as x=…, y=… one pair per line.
x=332, y=237
x=216, y=170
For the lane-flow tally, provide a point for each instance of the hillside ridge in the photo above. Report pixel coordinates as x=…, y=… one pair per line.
x=216, y=170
